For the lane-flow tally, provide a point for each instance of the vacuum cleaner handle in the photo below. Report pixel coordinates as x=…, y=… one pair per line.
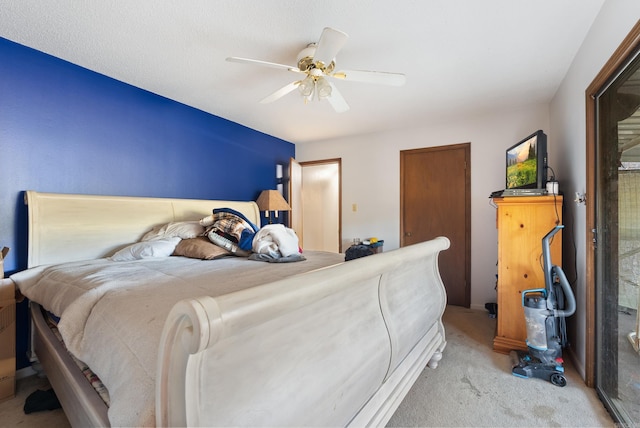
x=546, y=254
x=568, y=294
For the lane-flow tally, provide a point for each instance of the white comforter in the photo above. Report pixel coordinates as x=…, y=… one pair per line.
x=113, y=313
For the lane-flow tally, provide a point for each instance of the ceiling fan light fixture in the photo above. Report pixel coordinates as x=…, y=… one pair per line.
x=323, y=87
x=317, y=63
x=307, y=86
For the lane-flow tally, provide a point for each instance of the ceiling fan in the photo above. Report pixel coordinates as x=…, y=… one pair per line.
x=317, y=63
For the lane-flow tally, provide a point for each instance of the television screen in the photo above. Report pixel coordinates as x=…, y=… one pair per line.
x=526, y=163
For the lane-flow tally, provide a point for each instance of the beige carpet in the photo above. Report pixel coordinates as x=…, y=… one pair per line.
x=472, y=387
x=12, y=413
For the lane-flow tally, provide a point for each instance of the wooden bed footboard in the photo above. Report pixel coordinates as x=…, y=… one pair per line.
x=336, y=347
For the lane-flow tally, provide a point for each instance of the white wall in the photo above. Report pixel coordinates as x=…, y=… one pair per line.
x=371, y=179
x=568, y=128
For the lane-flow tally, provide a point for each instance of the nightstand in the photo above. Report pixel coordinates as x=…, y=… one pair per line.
x=7, y=339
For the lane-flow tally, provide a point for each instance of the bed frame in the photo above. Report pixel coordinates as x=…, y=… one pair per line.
x=337, y=346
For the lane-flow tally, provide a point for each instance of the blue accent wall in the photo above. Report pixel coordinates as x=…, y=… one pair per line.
x=66, y=129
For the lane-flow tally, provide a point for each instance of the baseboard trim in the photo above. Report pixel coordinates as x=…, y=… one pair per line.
x=479, y=307
x=569, y=352
x=25, y=372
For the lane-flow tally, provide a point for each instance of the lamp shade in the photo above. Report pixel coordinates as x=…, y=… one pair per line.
x=272, y=200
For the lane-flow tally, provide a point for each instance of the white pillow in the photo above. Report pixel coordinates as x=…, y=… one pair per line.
x=143, y=250
x=182, y=229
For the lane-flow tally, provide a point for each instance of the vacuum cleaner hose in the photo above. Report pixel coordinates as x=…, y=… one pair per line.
x=568, y=294
x=550, y=270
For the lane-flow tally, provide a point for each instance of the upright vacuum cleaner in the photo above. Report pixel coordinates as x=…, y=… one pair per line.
x=545, y=310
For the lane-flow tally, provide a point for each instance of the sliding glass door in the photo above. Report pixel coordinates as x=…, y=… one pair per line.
x=617, y=237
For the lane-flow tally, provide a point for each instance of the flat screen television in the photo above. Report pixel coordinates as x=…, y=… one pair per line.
x=527, y=163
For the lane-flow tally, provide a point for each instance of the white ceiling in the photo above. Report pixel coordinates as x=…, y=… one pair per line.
x=461, y=57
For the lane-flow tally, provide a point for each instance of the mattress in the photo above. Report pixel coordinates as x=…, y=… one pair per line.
x=112, y=313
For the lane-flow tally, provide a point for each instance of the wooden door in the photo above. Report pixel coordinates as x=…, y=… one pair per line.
x=435, y=189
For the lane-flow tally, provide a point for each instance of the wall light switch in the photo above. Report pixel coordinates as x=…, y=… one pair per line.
x=354, y=207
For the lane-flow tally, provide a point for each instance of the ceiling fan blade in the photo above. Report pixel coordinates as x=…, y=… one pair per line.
x=263, y=63
x=280, y=92
x=378, y=77
x=336, y=100
x=330, y=43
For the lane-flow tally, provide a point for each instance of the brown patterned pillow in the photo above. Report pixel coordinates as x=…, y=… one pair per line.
x=200, y=248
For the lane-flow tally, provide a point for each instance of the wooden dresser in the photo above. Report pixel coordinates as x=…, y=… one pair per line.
x=522, y=222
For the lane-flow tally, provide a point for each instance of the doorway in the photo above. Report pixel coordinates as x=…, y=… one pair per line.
x=315, y=200
x=613, y=262
x=435, y=200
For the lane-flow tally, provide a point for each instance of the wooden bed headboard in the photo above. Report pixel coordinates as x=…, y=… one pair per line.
x=67, y=227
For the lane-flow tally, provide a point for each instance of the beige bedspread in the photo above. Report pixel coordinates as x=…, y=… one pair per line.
x=113, y=313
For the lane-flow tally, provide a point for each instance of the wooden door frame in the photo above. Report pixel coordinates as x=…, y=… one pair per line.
x=619, y=58
x=467, y=183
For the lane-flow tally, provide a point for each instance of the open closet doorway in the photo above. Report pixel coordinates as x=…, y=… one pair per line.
x=315, y=189
x=613, y=226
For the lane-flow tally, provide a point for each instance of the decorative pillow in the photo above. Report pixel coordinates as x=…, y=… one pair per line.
x=200, y=248
x=181, y=229
x=147, y=249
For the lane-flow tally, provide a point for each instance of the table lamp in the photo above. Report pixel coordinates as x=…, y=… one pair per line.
x=272, y=201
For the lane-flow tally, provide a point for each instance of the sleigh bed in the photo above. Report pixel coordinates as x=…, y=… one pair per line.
x=180, y=341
